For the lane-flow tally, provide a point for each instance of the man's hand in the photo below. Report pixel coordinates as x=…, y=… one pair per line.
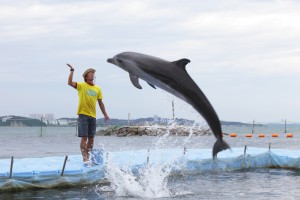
x=70, y=79
x=106, y=118
x=71, y=68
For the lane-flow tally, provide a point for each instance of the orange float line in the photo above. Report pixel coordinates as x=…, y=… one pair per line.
x=233, y=135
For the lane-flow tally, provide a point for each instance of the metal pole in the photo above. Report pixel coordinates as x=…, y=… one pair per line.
x=11, y=167
x=285, y=126
x=253, y=126
x=148, y=156
x=173, y=109
x=106, y=158
x=245, y=150
x=128, y=119
x=41, y=127
x=76, y=133
x=63, y=169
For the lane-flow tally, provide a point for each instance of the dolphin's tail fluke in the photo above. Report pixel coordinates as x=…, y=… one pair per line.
x=220, y=145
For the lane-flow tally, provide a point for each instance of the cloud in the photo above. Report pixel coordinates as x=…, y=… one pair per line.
x=232, y=45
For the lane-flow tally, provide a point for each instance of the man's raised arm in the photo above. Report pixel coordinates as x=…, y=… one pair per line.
x=70, y=79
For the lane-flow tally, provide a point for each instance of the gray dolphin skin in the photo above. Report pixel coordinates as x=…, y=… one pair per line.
x=173, y=78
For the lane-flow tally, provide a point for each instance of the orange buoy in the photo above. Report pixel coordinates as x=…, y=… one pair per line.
x=274, y=135
x=289, y=135
x=248, y=135
x=233, y=135
x=261, y=135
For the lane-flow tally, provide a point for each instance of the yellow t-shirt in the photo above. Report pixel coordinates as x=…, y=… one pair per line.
x=88, y=97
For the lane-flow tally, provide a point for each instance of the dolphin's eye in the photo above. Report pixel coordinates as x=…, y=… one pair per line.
x=119, y=60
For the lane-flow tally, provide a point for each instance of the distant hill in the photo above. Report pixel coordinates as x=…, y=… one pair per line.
x=234, y=123
x=159, y=121
x=18, y=121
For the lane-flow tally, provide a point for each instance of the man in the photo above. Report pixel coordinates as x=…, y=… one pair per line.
x=88, y=94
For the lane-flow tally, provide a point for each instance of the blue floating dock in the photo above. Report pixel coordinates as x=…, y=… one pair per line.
x=47, y=172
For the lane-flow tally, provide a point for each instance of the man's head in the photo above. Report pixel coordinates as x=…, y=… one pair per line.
x=88, y=75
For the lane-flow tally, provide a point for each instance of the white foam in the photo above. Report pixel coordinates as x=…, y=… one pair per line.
x=148, y=181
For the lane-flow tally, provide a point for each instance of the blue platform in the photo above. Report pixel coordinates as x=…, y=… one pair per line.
x=46, y=172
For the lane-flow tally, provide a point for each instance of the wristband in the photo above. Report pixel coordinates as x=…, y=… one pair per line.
x=72, y=70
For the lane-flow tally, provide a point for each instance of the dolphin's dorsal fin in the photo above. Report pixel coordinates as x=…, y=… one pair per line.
x=151, y=85
x=135, y=81
x=181, y=63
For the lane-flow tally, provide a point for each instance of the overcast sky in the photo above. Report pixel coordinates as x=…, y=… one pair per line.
x=245, y=55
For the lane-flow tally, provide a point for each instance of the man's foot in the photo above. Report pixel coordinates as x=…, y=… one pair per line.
x=87, y=164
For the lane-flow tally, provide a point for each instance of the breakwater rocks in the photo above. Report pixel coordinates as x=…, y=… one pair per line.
x=153, y=131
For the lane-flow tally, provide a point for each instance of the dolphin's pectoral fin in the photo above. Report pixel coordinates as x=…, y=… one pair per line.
x=181, y=63
x=135, y=81
x=151, y=85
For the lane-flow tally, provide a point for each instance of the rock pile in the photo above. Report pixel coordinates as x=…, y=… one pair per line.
x=153, y=131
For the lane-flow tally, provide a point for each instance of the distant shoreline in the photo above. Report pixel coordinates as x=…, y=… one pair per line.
x=19, y=121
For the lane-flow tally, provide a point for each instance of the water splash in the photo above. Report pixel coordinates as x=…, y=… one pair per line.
x=170, y=140
x=148, y=181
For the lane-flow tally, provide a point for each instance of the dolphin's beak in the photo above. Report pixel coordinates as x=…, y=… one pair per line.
x=110, y=60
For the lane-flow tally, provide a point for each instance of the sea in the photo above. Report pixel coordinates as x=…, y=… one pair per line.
x=261, y=183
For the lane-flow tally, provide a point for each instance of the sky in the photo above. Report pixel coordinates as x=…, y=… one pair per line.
x=245, y=55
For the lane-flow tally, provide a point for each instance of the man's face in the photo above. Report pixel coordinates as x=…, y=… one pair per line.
x=90, y=76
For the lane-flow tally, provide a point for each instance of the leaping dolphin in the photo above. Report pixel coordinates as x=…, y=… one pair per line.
x=173, y=78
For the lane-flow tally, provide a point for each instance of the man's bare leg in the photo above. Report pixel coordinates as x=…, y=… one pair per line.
x=84, y=149
x=90, y=144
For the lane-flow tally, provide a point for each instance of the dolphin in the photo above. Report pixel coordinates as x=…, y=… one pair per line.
x=173, y=78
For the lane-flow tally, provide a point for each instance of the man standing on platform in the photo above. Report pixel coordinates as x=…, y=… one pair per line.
x=89, y=94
